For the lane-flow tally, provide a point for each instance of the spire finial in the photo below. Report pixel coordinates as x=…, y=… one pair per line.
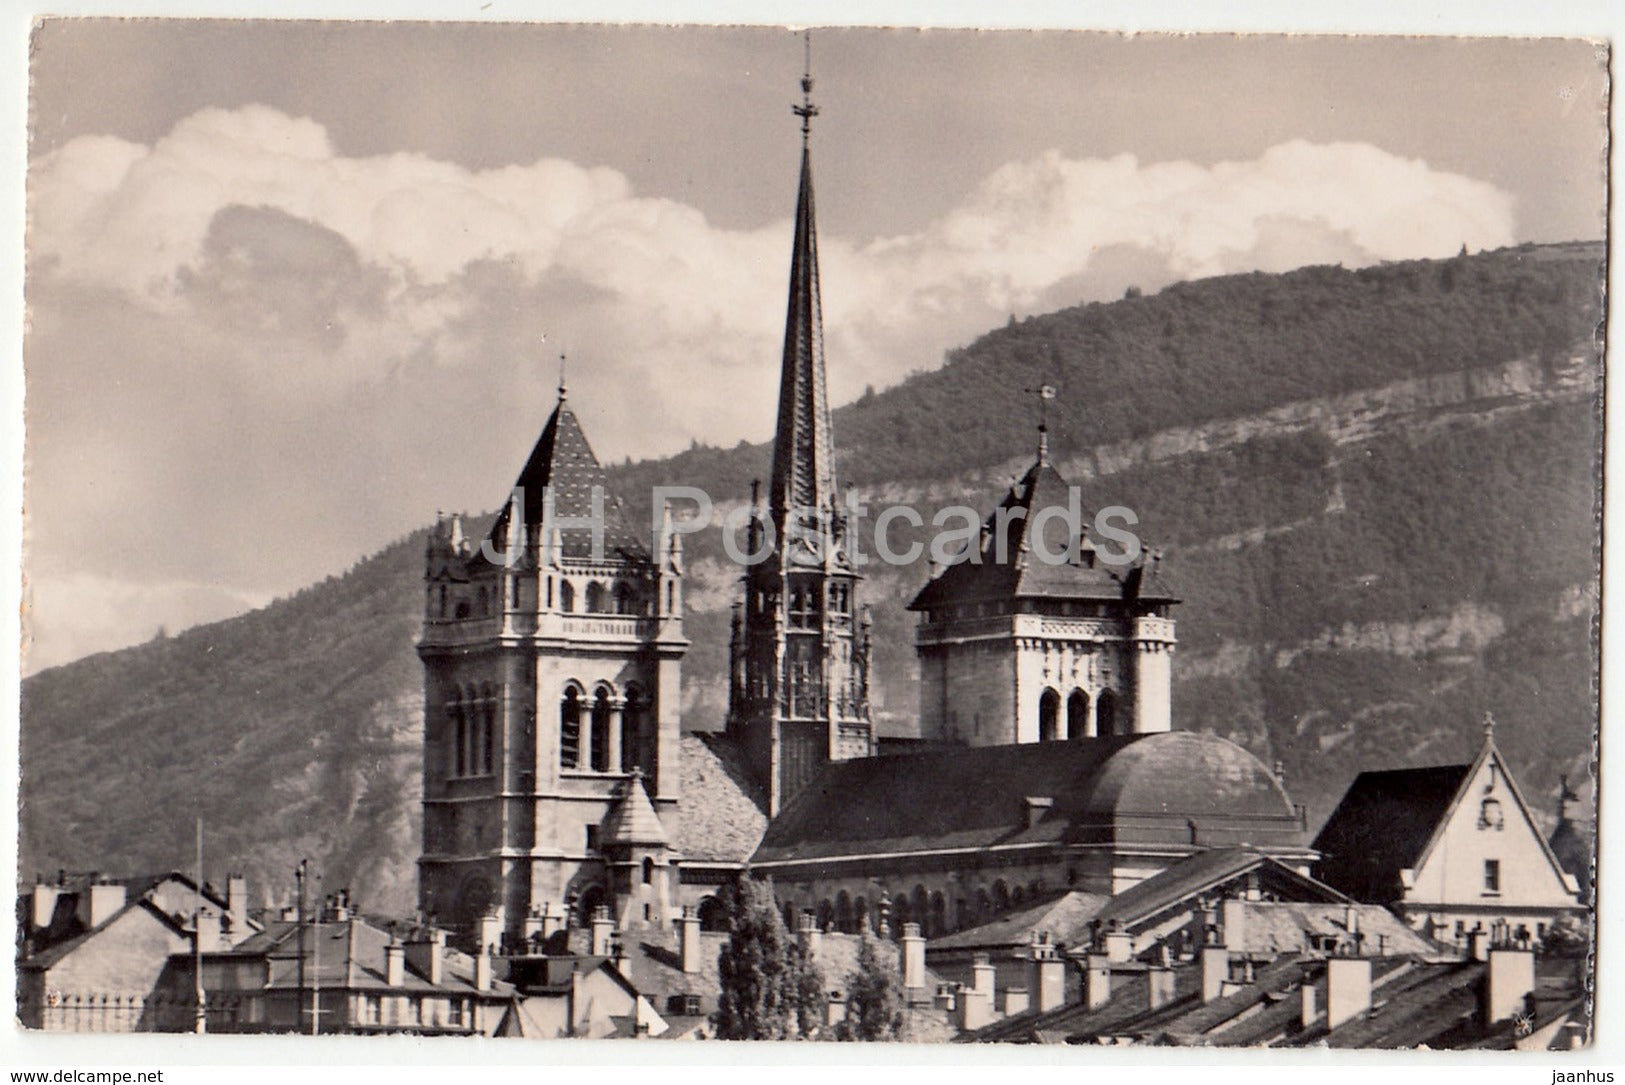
x=561, y=376
x=1045, y=393
x=1489, y=726
x=806, y=110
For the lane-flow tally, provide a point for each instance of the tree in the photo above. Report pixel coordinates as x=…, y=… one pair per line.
x=768, y=988
x=874, y=998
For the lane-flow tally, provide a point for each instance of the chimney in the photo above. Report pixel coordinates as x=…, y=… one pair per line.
x=1215, y=972
x=1047, y=988
x=1508, y=983
x=552, y=918
x=237, y=904
x=1015, y=1001
x=482, y=968
x=1159, y=985
x=603, y=927
x=1478, y=943
x=808, y=934
x=1348, y=989
x=208, y=930
x=1351, y=918
x=488, y=932
x=531, y=929
x=1307, y=1009
x=394, y=962
x=426, y=953
x=1233, y=924
x=44, y=905
x=914, y=960
x=1119, y=945
x=1097, y=981
x=105, y=899
x=688, y=933
x=982, y=974
x=975, y=1009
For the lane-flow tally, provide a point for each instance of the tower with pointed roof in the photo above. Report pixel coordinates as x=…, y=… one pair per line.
x=1034, y=636
x=551, y=651
x=799, y=694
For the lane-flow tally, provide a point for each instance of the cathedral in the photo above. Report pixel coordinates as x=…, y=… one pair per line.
x=559, y=780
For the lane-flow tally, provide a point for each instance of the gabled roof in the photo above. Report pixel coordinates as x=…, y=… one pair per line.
x=1392, y=821
x=1064, y=916
x=52, y=955
x=1202, y=873
x=1382, y=826
x=1023, y=573
x=1175, y=788
x=721, y=818
x=563, y=462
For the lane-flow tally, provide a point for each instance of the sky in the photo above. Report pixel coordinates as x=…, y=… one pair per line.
x=292, y=287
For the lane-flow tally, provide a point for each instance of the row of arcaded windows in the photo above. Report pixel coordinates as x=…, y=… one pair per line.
x=585, y=725
x=599, y=598
x=931, y=910
x=472, y=712
x=1077, y=716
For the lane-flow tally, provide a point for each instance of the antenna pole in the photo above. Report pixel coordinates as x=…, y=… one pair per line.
x=200, y=1023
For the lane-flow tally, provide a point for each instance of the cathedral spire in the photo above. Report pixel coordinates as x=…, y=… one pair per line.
x=803, y=449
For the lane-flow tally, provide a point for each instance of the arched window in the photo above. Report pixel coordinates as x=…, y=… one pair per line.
x=843, y=912
x=860, y=913
x=567, y=597
x=920, y=906
x=900, y=913
x=1490, y=816
x=570, y=729
x=442, y=600
x=826, y=914
x=595, y=597
x=984, y=906
x=488, y=735
x=459, y=753
x=600, y=730
x=1001, y=897
x=473, y=712
x=713, y=915
x=1106, y=713
x=1049, y=716
x=588, y=904
x=671, y=597
x=1077, y=715
x=1018, y=897
x=648, y=871
x=939, y=915
x=631, y=746
x=961, y=913
x=623, y=599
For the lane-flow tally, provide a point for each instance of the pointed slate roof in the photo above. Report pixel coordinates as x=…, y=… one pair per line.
x=803, y=447
x=563, y=460
x=1006, y=562
x=633, y=821
x=1382, y=826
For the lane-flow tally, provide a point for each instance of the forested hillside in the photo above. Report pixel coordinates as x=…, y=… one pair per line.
x=1376, y=491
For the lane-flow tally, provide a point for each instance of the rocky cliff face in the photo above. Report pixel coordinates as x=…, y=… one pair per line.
x=1365, y=573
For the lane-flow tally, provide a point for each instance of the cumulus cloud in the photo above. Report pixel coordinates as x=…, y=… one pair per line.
x=237, y=304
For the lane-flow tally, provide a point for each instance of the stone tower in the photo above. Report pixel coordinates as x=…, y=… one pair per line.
x=1032, y=636
x=551, y=654
x=800, y=652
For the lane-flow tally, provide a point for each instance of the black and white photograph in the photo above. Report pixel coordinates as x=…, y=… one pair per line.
x=502, y=562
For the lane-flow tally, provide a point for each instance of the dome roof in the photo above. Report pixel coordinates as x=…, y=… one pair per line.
x=1201, y=779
